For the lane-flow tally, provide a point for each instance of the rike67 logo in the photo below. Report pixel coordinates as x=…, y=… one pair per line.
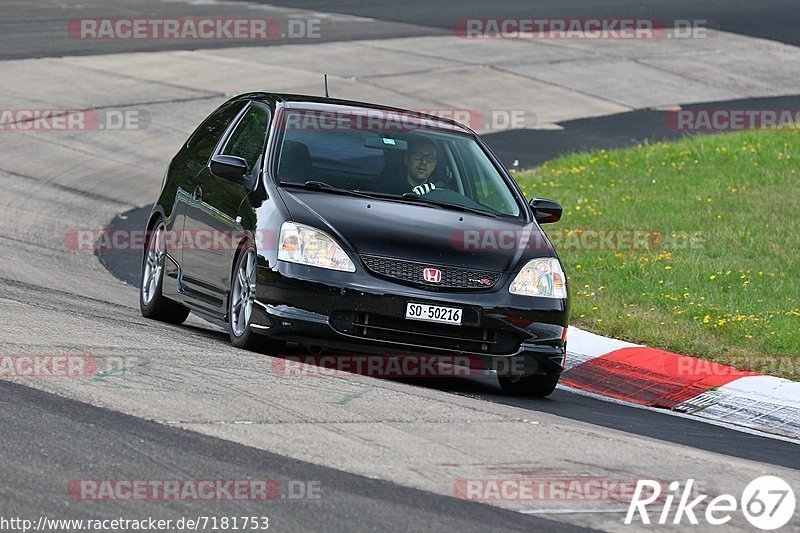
x=768, y=503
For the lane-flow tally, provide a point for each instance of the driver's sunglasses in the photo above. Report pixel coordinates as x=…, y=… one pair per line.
x=419, y=156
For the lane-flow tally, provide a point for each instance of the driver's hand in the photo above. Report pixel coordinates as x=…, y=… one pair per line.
x=424, y=188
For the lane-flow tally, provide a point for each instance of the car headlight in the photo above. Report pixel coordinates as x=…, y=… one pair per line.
x=308, y=246
x=540, y=277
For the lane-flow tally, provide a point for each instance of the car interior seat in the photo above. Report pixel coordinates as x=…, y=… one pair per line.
x=295, y=164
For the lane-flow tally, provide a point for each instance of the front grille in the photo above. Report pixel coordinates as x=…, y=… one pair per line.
x=413, y=272
x=437, y=336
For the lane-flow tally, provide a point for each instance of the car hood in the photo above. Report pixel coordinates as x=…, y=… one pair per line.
x=418, y=232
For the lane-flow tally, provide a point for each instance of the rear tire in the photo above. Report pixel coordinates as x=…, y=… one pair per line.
x=537, y=386
x=152, y=302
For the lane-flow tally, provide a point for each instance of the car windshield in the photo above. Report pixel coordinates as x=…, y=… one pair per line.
x=392, y=154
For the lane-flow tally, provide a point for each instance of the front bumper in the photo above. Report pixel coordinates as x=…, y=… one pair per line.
x=357, y=313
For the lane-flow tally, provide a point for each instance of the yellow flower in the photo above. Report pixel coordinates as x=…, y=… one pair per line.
x=712, y=276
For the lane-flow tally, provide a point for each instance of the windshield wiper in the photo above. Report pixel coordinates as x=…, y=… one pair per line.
x=433, y=203
x=320, y=186
x=417, y=198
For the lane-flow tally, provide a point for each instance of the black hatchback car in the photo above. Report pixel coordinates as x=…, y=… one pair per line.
x=356, y=228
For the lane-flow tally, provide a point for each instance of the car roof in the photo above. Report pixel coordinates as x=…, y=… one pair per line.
x=322, y=103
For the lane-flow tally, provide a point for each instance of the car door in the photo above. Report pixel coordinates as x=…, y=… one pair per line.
x=210, y=221
x=182, y=177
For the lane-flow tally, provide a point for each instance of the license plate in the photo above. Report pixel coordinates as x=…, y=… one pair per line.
x=433, y=313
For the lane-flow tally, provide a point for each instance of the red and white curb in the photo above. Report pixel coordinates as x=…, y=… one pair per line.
x=657, y=378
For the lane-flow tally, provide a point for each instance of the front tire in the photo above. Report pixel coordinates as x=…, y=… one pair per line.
x=151, y=301
x=240, y=302
x=537, y=386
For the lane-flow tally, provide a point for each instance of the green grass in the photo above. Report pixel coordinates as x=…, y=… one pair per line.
x=721, y=277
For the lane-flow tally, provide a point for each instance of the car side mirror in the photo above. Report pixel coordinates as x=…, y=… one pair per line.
x=229, y=167
x=546, y=211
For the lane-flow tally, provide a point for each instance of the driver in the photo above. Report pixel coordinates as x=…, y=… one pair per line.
x=420, y=160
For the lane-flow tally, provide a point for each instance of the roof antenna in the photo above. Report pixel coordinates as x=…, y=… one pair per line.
x=326, y=85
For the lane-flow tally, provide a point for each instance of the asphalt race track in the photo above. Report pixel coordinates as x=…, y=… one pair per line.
x=180, y=403
x=93, y=432
x=35, y=29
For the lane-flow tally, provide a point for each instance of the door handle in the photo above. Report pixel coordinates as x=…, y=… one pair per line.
x=197, y=195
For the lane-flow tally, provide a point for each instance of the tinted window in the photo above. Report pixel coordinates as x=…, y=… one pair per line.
x=391, y=153
x=346, y=149
x=204, y=139
x=248, y=139
x=490, y=189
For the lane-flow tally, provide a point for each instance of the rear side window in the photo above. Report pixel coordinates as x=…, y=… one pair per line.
x=202, y=142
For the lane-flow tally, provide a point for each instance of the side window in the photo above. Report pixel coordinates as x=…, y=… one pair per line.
x=486, y=185
x=204, y=139
x=248, y=139
x=487, y=193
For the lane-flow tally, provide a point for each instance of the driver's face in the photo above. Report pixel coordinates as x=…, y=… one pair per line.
x=421, y=162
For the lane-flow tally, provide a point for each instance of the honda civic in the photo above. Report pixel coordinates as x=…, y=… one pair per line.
x=356, y=228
